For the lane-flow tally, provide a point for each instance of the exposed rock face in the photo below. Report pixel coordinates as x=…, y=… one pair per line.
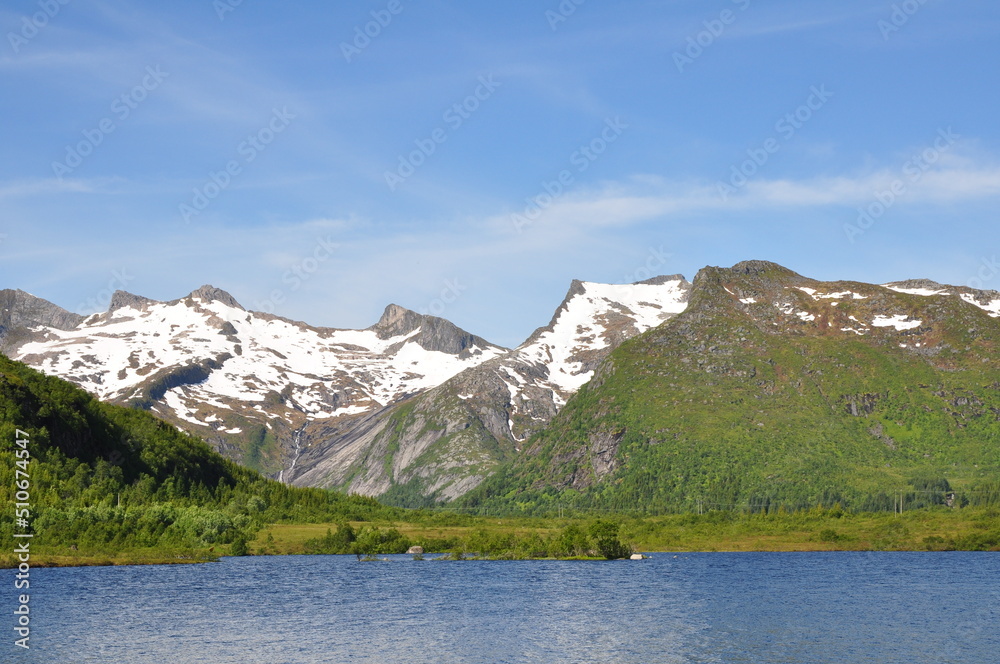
x=432, y=333
x=20, y=311
x=444, y=442
x=124, y=300
x=210, y=293
x=254, y=385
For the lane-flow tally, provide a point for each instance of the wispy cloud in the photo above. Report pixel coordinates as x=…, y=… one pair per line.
x=649, y=197
x=29, y=187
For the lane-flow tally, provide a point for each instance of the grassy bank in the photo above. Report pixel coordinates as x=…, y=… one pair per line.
x=816, y=530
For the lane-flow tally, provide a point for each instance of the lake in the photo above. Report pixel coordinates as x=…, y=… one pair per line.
x=758, y=608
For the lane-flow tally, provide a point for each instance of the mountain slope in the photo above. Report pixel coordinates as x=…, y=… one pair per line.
x=106, y=480
x=246, y=381
x=22, y=314
x=442, y=443
x=772, y=388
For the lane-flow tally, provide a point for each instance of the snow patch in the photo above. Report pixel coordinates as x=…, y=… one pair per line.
x=992, y=308
x=899, y=321
x=832, y=296
x=579, y=326
x=789, y=310
x=926, y=292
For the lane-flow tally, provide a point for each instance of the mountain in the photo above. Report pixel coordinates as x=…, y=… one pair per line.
x=442, y=443
x=771, y=389
x=108, y=481
x=21, y=314
x=413, y=405
x=250, y=383
x=754, y=383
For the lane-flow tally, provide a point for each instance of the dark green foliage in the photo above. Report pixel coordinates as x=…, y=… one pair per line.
x=605, y=537
x=341, y=541
x=240, y=546
x=373, y=540
x=409, y=495
x=111, y=479
x=828, y=535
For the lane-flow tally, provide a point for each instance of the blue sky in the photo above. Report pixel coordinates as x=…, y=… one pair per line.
x=470, y=159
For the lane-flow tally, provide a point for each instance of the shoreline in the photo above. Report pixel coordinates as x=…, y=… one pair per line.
x=124, y=561
x=931, y=530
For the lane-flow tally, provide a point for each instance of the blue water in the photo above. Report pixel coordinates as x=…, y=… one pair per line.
x=760, y=608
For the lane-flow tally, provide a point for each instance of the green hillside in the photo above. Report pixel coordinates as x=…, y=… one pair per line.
x=110, y=481
x=761, y=395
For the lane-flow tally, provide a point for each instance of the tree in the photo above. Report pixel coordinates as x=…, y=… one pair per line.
x=605, y=536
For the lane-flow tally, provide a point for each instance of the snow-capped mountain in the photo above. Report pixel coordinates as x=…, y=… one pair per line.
x=593, y=319
x=412, y=407
x=212, y=367
x=280, y=395
x=442, y=443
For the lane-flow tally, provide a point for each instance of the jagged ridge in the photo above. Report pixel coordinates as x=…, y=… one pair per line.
x=772, y=388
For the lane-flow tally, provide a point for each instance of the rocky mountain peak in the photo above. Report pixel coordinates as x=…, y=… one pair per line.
x=20, y=310
x=123, y=299
x=916, y=284
x=397, y=321
x=435, y=334
x=662, y=279
x=210, y=293
x=762, y=268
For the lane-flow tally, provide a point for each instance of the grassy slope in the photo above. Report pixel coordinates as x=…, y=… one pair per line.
x=716, y=409
x=112, y=484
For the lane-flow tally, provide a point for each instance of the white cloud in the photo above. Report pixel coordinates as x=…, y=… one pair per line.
x=649, y=197
x=27, y=187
